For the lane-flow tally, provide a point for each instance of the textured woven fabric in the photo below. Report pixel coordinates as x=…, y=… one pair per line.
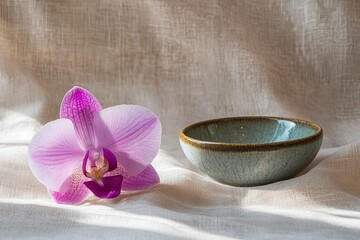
x=186, y=61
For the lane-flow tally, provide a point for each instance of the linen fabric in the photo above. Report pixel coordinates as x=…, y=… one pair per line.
x=186, y=61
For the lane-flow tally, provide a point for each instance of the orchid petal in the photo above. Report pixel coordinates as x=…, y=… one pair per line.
x=83, y=167
x=109, y=187
x=146, y=179
x=54, y=154
x=77, y=192
x=80, y=106
x=132, y=133
x=110, y=158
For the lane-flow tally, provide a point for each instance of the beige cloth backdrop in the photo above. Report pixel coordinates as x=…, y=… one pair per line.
x=186, y=61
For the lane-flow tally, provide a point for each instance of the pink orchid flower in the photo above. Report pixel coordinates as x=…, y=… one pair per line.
x=90, y=149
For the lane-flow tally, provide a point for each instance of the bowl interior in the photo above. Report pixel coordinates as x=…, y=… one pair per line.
x=257, y=130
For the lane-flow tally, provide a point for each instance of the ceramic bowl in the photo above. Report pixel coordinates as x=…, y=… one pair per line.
x=251, y=151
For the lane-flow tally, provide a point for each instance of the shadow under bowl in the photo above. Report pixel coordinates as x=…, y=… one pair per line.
x=251, y=151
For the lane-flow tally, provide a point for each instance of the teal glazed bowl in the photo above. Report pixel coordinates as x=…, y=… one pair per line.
x=251, y=151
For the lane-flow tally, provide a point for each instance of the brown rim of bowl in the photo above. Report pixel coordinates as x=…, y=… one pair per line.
x=223, y=146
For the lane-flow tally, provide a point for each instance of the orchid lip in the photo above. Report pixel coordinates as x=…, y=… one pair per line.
x=108, y=187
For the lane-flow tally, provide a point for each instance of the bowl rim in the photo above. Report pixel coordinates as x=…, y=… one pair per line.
x=249, y=146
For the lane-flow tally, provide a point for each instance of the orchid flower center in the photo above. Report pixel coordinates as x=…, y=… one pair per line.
x=95, y=165
x=98, y=172
x=98, y=165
